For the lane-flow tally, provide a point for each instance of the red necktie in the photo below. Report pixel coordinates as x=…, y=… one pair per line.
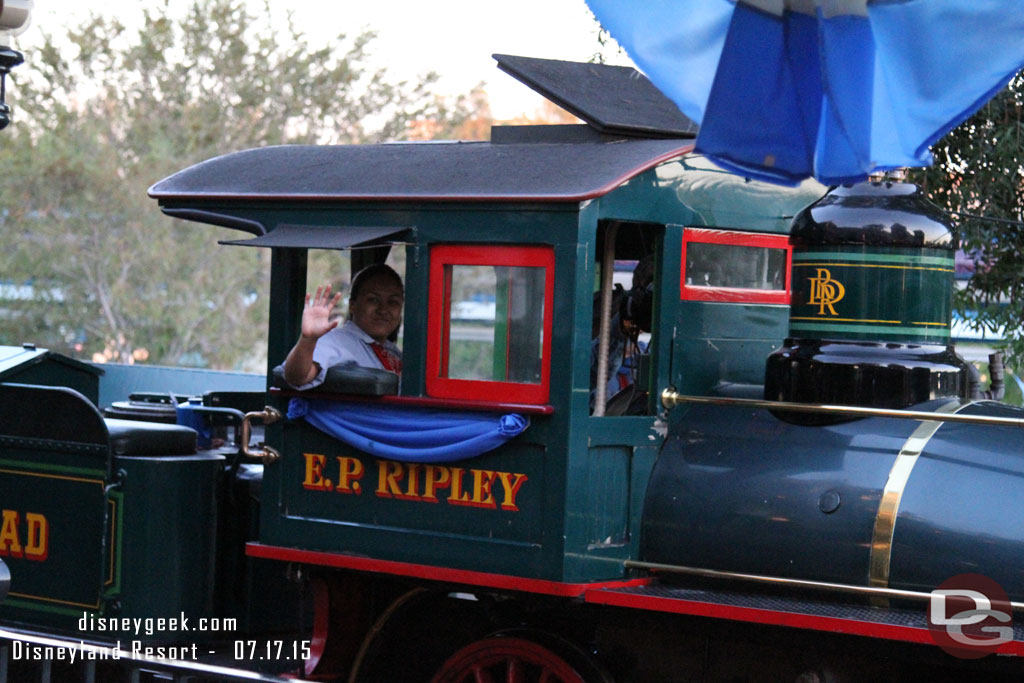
x=389, y=360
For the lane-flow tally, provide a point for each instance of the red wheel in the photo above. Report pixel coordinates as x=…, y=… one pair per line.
x=506, y=660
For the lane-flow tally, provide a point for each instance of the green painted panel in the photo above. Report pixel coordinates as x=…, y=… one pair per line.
x=605, y=492
x=902, y=259
x=861, y=330
x=499, y=367
x=499, y=512
x=168, y=537
x=872, y=294
x=724, y=343
x=50, y=468
x=603, y=512
x=414, y=334
x=51, y=537
x=693, y=191
x=496, y=495
x=29, y=365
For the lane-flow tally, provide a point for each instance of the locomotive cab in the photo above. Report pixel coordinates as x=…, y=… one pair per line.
x=531, y=226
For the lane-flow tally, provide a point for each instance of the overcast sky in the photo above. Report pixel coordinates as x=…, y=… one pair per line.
x=455, y=38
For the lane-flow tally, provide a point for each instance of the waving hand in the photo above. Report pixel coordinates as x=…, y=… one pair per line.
x=316, y=315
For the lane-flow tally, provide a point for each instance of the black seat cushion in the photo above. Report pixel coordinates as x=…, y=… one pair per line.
x=349, y=378
x=134, y=437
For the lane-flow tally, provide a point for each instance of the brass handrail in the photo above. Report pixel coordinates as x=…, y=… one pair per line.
x=869, y=591
x=262, y=451
x=670, y=399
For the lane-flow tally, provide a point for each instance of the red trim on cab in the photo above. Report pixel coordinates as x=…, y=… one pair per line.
x=423, y=571
x=446, y=322
x=735, y=294
x=441, y=386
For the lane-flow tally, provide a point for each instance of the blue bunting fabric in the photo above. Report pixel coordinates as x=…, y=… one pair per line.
x=837, y=89
x=409, y=434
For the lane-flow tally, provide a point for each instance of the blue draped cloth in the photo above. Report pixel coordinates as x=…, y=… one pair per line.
x=409, y=434
x=786, y=89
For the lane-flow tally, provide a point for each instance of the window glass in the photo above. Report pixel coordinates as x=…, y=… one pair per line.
x=734, y=266
x=489, y=322
x=731, y=265
x=496, y=323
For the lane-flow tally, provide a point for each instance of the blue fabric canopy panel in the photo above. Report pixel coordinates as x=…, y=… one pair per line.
x=834, y=89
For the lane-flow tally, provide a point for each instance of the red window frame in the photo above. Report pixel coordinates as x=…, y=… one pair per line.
x=439, y=317
x=735, y=294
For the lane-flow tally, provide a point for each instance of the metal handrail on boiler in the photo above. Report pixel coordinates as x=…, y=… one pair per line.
x=671, y=399
x=874, y=592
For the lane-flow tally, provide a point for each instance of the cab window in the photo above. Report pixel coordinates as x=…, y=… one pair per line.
x=731, y=266
x=489, y=325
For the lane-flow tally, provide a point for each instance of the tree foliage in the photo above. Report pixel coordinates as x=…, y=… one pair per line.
x=90, y=265
x=979, y=172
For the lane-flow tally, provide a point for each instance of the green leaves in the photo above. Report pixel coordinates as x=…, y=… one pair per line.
x=979, y=171
x=104, y=111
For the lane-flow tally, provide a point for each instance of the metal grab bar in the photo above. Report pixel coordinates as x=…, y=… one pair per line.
x=671, y=399
x=870, y=591
x=262, y=452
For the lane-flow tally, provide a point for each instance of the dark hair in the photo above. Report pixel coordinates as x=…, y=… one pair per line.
x=370, y=272
x=637, y=303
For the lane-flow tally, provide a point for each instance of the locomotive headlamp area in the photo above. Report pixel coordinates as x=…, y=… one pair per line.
x=524, y=455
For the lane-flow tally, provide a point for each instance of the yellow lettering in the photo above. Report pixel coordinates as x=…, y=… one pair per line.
x=458, y=496
x=314, y=480
x=511, y=488
x=825, y=291
x=388, y=475
x=350, y=471
x=435, y=477
x=37, y=539
x=413, y=473
x=9, y=543
x=482, y=482
x=401, y=481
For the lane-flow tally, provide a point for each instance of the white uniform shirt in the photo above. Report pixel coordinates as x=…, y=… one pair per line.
x=344, y=344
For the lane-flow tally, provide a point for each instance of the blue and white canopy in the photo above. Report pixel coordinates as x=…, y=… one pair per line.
x=835, y=89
